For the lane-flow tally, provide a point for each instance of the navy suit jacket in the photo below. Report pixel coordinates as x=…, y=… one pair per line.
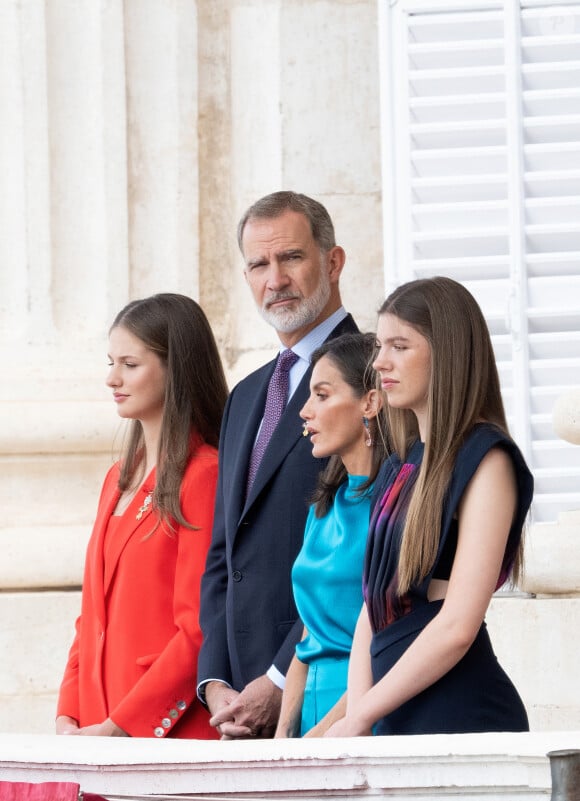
x=247, y=615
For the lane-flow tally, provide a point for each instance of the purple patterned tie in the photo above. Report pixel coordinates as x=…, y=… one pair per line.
x=275, y=403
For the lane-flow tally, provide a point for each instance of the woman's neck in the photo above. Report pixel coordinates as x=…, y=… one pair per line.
x=359, y=463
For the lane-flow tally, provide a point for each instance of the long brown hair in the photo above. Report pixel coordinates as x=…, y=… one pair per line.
x=463, y=390
x=176, y=329
x=352, y=355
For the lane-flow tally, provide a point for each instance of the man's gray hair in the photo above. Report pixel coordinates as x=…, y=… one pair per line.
x=271, y=206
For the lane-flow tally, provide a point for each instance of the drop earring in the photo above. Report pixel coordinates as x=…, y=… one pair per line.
x=368, y=438
x=305, y=429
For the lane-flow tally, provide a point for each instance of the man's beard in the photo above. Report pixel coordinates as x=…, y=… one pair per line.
x=288, y=320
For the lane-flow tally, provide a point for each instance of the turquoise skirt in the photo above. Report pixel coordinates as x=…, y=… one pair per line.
x=325, y=685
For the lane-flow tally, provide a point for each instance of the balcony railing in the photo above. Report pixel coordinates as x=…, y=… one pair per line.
x=502, y=767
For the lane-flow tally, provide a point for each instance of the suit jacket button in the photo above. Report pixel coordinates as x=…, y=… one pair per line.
x=159, y=731
x=236, y=575
x=166, y=723
x=181, y=705
x=173, y=713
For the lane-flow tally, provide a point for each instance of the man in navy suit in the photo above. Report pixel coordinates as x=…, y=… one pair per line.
x=248, y=617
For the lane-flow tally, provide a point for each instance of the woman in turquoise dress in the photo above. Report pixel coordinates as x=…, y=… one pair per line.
x=345, y=421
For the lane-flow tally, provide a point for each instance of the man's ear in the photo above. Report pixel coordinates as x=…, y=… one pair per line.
x=372, y=403
x=336, y=258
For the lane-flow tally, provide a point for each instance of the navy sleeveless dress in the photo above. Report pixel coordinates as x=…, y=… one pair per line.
x=476, y=695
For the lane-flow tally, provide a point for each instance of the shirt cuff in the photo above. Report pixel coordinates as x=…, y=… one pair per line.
x=276, y=677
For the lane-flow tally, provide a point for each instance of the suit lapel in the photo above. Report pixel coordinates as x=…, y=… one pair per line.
x=95, y=553
x=287, y=433
x=248, y=432
x=284, y=438
x=133, y=522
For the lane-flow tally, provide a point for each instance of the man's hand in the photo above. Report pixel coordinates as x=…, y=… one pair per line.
x=252, y=713
x=218, y=697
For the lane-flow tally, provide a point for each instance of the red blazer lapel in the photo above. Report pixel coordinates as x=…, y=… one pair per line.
x=94, y=581
x=136, y=520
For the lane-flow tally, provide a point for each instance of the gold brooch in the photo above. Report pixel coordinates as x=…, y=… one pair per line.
x=144, y=507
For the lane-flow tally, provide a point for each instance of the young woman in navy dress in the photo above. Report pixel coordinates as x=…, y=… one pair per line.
x=446, y=527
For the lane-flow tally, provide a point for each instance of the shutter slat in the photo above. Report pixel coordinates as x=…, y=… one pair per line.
x=453, y=55
x=551, y=263
x=541, y=102
x=552, y=156
x=438, y=217
x=563, y=128
x=552, y=183
x=549, y=210
x=477, y=133
x=551, y=49
x=448, y=161
x=551, y=75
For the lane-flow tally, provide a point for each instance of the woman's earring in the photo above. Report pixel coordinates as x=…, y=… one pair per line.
x=368, y=438
x=305, y=429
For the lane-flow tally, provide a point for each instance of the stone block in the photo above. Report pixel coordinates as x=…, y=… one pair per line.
x=535, y=643
x=36, y=631
x=55, y=427
x=362, y=281
x=43, y=556
x=43, y=490
x=329, y=98
x=552, y=557
x=566, y=416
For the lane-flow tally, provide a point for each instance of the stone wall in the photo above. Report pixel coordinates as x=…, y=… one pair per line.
x=134, y=135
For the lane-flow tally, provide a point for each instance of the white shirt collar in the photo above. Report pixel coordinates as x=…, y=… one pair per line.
x=305, y=347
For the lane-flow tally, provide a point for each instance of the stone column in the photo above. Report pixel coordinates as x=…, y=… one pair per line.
x=535, y=637
x=289, y=98
x=98, y=157
x=552, y=558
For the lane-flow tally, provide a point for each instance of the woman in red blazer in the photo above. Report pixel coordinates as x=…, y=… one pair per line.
x=132, y=666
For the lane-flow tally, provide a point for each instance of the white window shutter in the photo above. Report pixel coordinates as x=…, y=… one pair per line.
x=481, y=123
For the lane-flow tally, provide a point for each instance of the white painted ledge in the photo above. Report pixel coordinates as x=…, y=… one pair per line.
x=504, y=767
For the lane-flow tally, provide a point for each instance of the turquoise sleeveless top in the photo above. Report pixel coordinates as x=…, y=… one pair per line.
x=327, y=573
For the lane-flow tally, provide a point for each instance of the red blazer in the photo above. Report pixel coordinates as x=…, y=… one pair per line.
x=134, y=657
